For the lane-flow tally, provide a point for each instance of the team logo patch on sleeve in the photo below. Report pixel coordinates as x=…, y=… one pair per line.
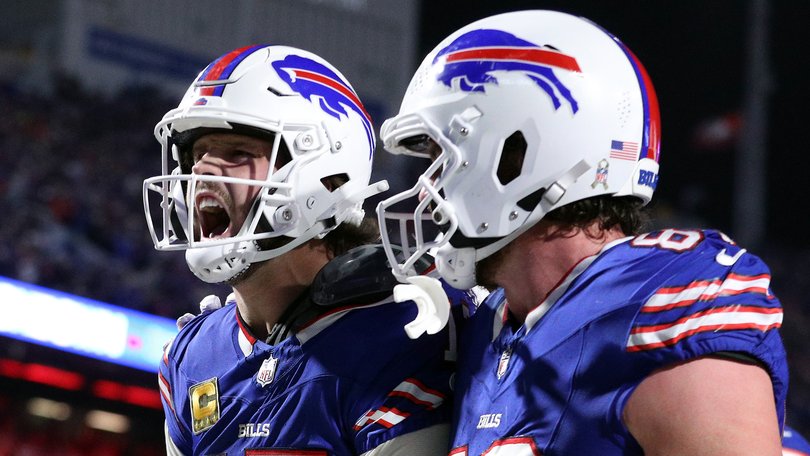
x=204, y=398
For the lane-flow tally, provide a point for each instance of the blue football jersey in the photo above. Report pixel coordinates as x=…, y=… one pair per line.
x=341, y=384
x=557, y=385
x=793, y=444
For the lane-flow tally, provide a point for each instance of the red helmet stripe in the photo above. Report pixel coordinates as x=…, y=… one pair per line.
x=541, y=56
x=336, y=85
x=651, y=137
x=222, y=68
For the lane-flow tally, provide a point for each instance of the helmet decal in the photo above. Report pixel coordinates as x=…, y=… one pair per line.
x=314, y=80
x=221, y=68
x=471, y=57
x=482, y=84
x=624, y=150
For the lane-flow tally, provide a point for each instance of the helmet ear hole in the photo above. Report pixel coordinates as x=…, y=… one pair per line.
x=335, y=181
x=513, y=154
x=284, y=155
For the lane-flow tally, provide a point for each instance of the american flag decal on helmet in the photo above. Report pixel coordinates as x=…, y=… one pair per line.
x=471, y=58
x=321, y=85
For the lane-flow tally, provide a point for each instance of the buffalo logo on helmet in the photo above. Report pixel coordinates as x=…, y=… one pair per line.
x=319, y=84
x=472, y=58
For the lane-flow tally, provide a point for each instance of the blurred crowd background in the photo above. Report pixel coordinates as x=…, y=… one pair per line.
x=74, y=160
x=72, y=193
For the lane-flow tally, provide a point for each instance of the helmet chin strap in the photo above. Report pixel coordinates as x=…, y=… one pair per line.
x=218, y=263
x=255, y=256
x=320, y=228
x=457, y=265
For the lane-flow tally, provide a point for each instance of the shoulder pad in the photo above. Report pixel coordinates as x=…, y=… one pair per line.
x=359, y=276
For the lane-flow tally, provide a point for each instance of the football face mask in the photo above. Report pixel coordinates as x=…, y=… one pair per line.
x=310, y=112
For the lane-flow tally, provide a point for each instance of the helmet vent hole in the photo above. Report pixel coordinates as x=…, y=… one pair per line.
x=419, y=80
x=623, y=109
x=513, y=154
x=335, y=181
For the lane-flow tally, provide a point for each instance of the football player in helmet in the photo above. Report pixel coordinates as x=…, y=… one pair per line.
x=266, y=162
x=543, y=133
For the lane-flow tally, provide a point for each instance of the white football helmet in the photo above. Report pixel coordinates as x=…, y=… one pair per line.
x=565, y=97
x=289, y=96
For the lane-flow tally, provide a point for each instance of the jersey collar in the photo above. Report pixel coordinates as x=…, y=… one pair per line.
x=502, y=314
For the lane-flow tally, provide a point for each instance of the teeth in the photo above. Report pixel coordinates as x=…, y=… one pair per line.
x=205, y=203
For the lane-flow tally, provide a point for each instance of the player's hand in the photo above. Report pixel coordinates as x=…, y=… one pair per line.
x=209, y=303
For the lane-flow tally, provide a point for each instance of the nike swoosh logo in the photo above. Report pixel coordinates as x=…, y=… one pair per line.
x=727, y=260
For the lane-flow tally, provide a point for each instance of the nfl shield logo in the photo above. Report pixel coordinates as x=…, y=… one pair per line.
x=503, y=364
x=601, y=174
x=267, y=372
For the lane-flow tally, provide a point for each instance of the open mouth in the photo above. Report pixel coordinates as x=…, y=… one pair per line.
x=214, y=219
